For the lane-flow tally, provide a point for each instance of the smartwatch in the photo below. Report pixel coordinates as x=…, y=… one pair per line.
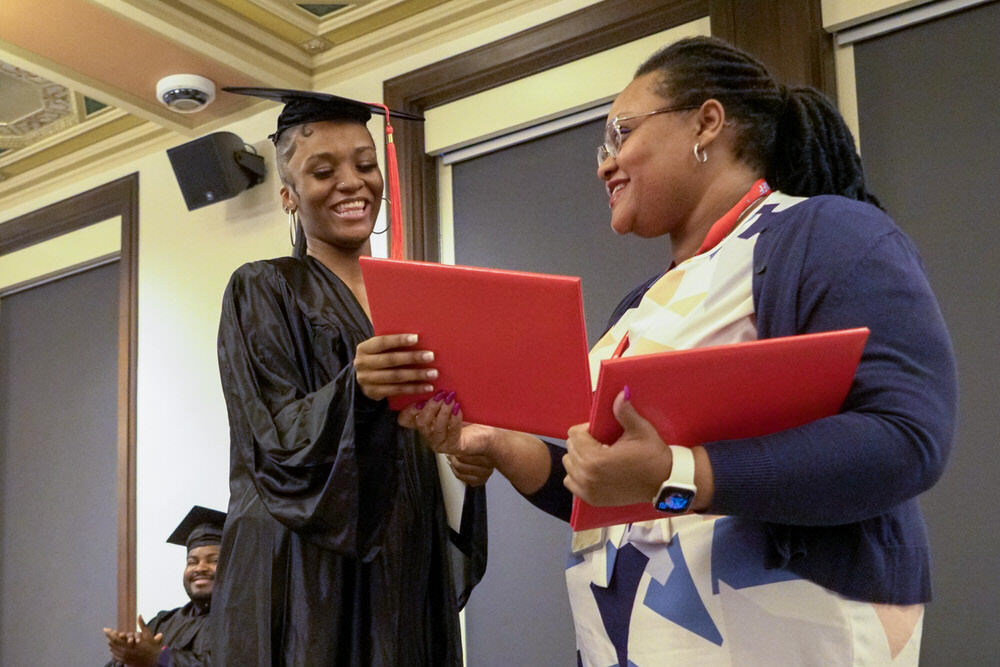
x=677, y=493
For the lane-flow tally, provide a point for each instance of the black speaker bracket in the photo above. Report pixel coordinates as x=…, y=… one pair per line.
x=251, y=163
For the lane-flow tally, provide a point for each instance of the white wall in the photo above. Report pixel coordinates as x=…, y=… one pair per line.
x=185, y=260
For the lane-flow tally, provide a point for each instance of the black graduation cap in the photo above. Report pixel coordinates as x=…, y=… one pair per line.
x=201, y=526
x=307, y=106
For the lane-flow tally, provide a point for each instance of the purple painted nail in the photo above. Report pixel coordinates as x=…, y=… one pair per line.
x=449, y=398
x=628, y=393
x=421, y=404
x=455, y=408
x=441, y=394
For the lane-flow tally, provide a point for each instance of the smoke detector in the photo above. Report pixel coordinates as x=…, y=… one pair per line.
x=185, y=93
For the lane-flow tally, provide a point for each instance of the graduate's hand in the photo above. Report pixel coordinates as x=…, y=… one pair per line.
x=139, y=649
x=630, y=471
x=438, y=420
x=383, y=366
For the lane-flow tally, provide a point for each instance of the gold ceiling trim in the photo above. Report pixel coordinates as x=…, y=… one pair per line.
x=253, y=15
x=382, y=20
x=55, y=110
x=224, y=32
x=79, y=142
x=453, y=19
x=355, y=10
x=219, y=35
x=126, y=146
x=103, y=117
x=359, y=9
x=65, y=76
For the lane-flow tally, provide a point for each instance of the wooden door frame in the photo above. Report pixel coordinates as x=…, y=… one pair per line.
x=117, y=198
x=788, y=37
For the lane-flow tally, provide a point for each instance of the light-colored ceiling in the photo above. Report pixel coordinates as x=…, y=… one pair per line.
x=78, y=77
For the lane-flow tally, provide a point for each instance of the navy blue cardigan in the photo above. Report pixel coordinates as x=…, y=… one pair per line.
x=836, y=498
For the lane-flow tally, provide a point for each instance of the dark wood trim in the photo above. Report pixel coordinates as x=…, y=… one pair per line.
x=117, y=198
x=788, y=37
x=576, y=35
x=60, y=218
x=793, y=44
x=67, y=272
x=127, y=191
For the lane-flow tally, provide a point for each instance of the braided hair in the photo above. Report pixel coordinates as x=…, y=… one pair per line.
x=795, y=136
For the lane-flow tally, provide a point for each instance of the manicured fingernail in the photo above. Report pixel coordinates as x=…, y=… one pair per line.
x=420, y=405
x=427, y=356
x=449, y=398
x=441, y=394
x=628, y=393
x=431, y=374
x=426, y=389
x=411, y=339
x=455, y=408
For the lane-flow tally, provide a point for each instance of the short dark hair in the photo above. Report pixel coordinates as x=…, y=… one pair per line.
x=284, y=149
x=795, y=136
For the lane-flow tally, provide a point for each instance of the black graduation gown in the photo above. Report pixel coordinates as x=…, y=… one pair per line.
x=184, y=635
x=335, y=549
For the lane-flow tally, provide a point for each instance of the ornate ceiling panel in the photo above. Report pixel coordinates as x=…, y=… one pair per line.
x=79, y=76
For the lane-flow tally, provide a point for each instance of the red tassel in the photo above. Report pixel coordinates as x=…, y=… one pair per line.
x=395, y=199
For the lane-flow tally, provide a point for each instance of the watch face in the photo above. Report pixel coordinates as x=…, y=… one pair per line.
x=674, y=500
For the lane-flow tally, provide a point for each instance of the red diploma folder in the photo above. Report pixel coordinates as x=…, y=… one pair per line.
x=511, y=345
x=723, y=392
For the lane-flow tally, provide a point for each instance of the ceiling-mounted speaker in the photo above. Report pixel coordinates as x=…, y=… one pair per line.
x=215, y=167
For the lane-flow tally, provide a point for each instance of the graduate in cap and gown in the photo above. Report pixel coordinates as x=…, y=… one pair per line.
x=336, y=550
x=178, y=637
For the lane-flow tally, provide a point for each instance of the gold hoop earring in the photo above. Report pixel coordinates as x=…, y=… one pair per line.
x=292, y=224
x=703, y=156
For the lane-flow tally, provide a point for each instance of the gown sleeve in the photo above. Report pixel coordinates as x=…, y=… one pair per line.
x=320, y=454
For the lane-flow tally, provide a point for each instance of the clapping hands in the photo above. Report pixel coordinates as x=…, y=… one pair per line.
x=141, y=648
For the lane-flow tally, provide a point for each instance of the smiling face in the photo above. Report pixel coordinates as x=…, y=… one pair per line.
x=332, y=180
x=199, y=573
x=651, y=184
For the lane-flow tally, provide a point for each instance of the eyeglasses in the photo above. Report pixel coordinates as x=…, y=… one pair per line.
x=614, y=133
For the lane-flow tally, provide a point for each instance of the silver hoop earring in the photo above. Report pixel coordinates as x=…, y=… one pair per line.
x=700, y=157
x=386, y=228
x=292, y=224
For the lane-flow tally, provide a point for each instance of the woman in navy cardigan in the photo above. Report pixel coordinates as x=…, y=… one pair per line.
x=804, y=546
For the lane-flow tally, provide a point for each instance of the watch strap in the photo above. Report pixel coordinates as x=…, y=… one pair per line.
x=682, y=471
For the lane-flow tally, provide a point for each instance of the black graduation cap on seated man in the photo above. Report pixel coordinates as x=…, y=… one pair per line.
x=307, y=106
x=201, y=526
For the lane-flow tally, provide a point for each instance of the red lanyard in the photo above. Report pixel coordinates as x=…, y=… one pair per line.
x=724, y=225
x=719, y=230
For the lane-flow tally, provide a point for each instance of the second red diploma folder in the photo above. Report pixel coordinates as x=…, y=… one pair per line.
x=724, y=392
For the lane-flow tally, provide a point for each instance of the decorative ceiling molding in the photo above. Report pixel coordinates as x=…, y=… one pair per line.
x=43, y=142
x=35, y=108
x=304, y=20
x=209, y=28
x=113, y=52
x=120, y=147
x=444, y=21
